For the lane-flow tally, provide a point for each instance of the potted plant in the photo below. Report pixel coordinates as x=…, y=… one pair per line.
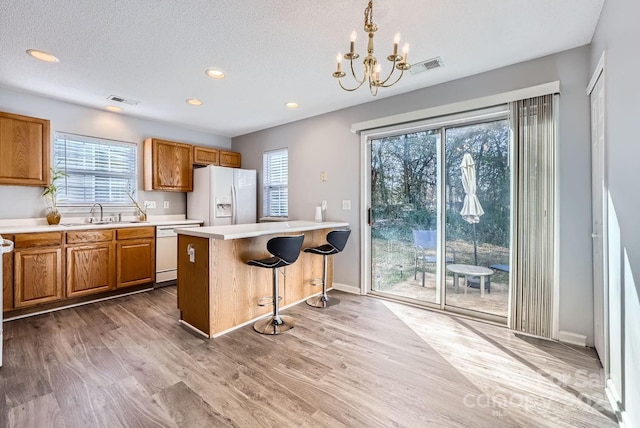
x=142, y=213
x=50, y=194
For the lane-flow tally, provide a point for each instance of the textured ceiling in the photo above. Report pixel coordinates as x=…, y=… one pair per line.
x=272, y=51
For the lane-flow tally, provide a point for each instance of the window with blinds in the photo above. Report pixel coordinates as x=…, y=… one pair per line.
x=97, y=170
x=276, y=183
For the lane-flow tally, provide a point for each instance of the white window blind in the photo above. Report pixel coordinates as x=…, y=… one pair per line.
x=97, y=170
x=276, y=183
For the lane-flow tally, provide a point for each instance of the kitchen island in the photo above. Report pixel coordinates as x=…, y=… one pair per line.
x=218, y=291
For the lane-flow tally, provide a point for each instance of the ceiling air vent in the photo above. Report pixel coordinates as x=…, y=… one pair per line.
x=123, y=100
x=429, y=64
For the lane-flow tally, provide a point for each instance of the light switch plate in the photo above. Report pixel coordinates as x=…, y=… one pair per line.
x=150, y=204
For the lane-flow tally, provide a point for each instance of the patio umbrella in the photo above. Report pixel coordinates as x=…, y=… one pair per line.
x=471, y=210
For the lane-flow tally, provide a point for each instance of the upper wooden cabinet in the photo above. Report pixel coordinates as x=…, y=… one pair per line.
x=231, y=159
x=206, y=156
x=168, y=165
x=24, y=150
x=209, y=156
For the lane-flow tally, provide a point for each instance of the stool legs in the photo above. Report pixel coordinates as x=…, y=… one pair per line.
x=276, y=323
x=323, y=300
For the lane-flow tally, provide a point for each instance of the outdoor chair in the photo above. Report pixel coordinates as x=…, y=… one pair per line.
x=425, y=242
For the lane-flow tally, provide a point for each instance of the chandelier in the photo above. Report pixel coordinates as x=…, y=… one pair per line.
x=371, y=67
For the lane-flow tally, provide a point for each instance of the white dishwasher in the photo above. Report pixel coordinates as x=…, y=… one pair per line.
x=167, y=253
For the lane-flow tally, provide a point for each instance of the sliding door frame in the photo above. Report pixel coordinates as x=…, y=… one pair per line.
x=440, y=123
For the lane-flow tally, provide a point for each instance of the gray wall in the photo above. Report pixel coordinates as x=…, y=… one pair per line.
x=26, y=202
x=618, y=34
x=324, y=143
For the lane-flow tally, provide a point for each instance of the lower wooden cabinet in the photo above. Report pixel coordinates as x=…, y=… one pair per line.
x=90, y=257
x=54, y=266
x=37, y=269
x=136, y=256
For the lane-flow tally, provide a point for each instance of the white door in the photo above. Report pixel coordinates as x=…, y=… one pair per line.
x=598, y=194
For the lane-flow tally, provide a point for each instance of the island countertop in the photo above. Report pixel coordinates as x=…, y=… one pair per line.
x=252, y=230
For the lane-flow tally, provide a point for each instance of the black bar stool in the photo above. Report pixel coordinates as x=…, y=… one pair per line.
x=285, y=251
x=337, y=239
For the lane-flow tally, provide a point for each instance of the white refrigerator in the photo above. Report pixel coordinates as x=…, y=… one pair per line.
x=223, y=196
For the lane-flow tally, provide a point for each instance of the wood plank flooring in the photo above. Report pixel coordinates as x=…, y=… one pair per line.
x=364, y=363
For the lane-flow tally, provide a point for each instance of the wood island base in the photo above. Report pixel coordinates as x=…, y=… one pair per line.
x=218, y=291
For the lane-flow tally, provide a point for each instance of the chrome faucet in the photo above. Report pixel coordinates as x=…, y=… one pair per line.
x=94, y=205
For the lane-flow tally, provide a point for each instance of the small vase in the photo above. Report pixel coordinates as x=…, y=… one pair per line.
x=53, y=217
x=142, y=216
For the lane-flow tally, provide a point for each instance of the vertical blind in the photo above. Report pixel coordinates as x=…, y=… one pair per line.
x=533, y=262
x=97, y=170
x=276, y=183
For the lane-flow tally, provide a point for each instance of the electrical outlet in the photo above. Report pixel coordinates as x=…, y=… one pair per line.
x=150, y=204
x=346, y=204
x=166, y=204
x=323, y=176
x=324, y=205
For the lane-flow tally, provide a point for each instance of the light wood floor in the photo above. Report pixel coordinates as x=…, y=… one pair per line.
x=363, y=363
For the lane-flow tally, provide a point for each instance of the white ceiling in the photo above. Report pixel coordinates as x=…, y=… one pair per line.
x=272, y=51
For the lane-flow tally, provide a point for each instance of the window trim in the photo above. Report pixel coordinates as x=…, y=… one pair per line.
x=133, y=176
x=267, y=210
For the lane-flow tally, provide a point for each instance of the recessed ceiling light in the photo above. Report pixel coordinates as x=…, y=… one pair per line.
x=114, y=109
x=215, y=74
x=194, y=102
x=291, y=104
x=42, y=56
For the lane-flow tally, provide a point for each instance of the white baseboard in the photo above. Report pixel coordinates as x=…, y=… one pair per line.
x=346, y=288
x=572, y=338
x=614, y=400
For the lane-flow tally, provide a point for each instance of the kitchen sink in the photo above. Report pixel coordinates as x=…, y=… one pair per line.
x=98, y=223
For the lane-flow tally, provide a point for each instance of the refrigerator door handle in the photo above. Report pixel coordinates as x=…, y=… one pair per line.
x=234, y=203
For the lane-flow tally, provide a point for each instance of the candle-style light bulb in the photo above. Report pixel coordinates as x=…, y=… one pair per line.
x=405, y=51
x=378, y=68
x=396, y=40
x=339, y=60
x=354, y=35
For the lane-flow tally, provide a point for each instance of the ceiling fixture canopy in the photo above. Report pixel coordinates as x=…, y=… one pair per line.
x=371, y=67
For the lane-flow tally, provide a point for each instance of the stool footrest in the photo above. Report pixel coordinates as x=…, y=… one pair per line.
x=316, y=282
x=267, y=301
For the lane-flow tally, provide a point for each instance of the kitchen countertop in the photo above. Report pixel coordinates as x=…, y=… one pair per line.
x=239, y=231
x=13, y=226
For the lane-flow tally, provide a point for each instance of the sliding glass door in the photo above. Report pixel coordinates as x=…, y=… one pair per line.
x=439, y=214
x=404, y=187
x=478, y=214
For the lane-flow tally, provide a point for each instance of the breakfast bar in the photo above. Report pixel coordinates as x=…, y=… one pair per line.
x=218, y=291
